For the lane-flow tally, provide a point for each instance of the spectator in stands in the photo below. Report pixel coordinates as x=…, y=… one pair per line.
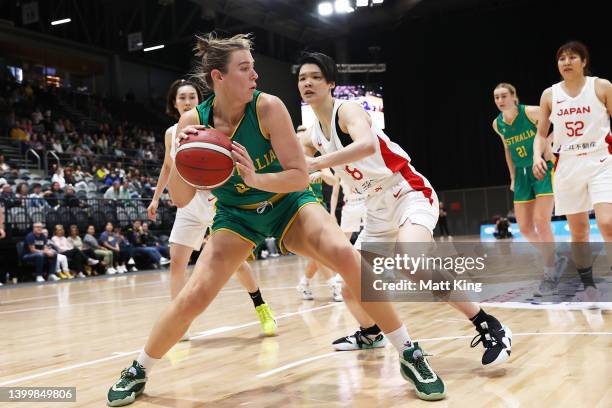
x=90, y=241
x=101, y=173
x=18, y=132
x=58, y=176
x=76, y=258
x=55, y=195
x=115, y=192
x=37, y=116
x=152, y=240
x=70, y=199
x=118, y=150
x=126, y=248
x=109, y=240
x=140, y=248
x=69, y=175
x=111, y=177
x=37, y=253
x=59, y=127
x=36, y=198
x=79, y=159
x=82, y=246
x=56, y=145
x=8, y=197
x=120, y=170
x=21, y=195
x=4, y=166
x=62, y=268
x=129, y=190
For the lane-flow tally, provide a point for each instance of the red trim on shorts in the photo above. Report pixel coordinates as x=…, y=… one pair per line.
x=399, y=164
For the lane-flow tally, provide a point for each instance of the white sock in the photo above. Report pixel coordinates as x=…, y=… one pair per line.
x=146, y=360
x=400, y=338
x=331, y=281
x=304, y=281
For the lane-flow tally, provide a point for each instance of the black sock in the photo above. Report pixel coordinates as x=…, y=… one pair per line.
x=370, y=331
x=256, y=298
x=586, y=276
x=481, y=316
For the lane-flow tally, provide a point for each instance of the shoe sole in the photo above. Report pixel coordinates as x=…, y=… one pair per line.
x=126, y=401
x=436, y=396
x=505, y=354
x=351, y=347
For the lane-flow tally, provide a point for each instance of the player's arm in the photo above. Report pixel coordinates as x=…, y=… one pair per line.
x=306, y=142
x=164, y=175
x=533, y=113
x=332, y=180
x=603, y=89
x=181, y=192
x=508, y=155
x=2, y=233
x=540, y=141
x=276, y=123
x=357, y=123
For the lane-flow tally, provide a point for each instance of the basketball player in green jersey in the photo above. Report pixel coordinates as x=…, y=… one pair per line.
x=192, y=222
x=266, y=196
x=316, y=185
x=516, y=125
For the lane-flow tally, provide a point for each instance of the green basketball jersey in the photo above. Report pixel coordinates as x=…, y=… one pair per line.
x=248, y=133
x=519, y=137
x=317, y=188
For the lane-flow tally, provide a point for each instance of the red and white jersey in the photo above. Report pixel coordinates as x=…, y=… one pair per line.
x=351, y=197
x=375, y=173
x=581, y=124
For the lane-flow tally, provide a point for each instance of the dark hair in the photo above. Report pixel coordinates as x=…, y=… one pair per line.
x=171, y=97
x=579, y=48
x=214, y=53
x=325, y=63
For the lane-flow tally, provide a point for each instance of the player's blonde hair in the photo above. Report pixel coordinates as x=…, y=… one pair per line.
x=215, y=52
x=510, y=89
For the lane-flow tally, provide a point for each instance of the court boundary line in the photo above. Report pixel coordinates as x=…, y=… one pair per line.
x=314, y=358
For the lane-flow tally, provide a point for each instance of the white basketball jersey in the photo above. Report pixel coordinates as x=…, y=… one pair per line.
x=376, y=172
x=203, y=198
x=351, y=197
x=581, y=123
x=173, y=142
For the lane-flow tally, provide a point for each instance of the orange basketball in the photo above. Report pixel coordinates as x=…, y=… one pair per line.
x=205, y=161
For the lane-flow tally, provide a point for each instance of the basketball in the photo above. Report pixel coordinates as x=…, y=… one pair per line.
x=205, y=161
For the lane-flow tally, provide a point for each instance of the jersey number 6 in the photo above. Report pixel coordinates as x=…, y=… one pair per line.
x=355, y=173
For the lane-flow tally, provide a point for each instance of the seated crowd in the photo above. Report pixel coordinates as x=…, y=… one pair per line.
x=112, y=251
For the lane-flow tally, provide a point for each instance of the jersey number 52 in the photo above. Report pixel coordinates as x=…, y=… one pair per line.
x=574, y=128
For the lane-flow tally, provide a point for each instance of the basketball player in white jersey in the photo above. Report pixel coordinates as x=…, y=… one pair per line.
x=402, y=205
x=192, y=221
x=316, y=185
x=579, y=108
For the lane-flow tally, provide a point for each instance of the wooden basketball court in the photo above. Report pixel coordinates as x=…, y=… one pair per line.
x=83, y=333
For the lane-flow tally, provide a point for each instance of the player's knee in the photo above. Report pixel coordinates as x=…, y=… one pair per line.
x=541, y=223
x=346, y=293
x=605, y=224
x=580, y=232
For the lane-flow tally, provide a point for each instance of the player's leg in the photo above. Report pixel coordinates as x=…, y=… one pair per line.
x=495, y=337
x=221, y=257
x=524, y=212
x=179, y=259
x=315, y=234
x=263, y=310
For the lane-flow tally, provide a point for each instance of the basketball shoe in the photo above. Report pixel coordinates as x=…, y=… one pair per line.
x=549, y=284
x=496, y=339
x=415, y=368
x=266, y=319
x=130, y=385
x=360, y=341
x=304, y=288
